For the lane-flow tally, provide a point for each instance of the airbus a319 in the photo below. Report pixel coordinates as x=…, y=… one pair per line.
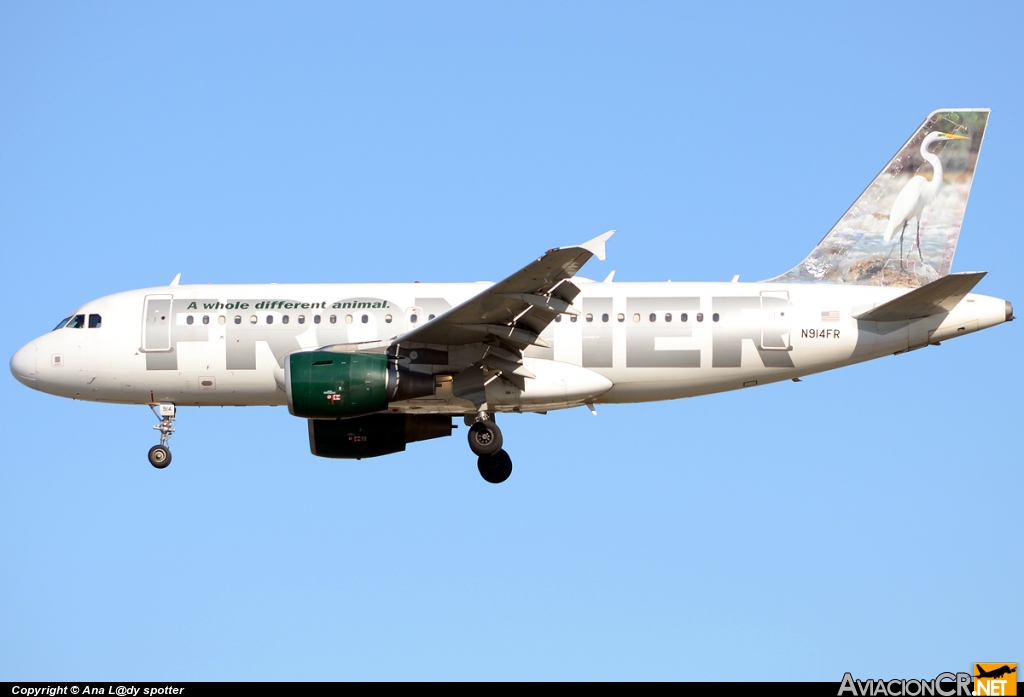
x=373, y=367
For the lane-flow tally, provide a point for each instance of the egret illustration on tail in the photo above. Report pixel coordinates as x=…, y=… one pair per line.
x=918, y=193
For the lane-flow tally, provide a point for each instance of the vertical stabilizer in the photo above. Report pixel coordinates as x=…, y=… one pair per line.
x=903, y=230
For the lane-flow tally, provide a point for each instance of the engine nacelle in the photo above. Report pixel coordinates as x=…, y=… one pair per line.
x=329, y=385
x=374, y=435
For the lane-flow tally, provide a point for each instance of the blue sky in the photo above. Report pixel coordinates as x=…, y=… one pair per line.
x=861, y=520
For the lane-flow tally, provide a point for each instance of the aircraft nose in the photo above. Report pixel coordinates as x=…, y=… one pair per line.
x=23, y=365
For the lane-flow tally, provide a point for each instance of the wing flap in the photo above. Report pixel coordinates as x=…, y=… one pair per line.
x=565, y=291
x=935, y=298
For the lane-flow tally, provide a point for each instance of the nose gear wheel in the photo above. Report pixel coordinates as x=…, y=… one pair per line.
x=159, y=456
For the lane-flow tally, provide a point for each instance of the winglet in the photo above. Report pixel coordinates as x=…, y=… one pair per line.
x=176, y=279
x=596, y=245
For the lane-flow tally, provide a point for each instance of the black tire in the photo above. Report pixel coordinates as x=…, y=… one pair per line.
x=159, y=456
x=495, y=468
x=484, y=438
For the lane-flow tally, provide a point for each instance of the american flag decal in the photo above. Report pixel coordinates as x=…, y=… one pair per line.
x=830, y=315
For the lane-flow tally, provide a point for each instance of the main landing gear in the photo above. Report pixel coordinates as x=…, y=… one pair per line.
x=160, y=455
x=485, y=441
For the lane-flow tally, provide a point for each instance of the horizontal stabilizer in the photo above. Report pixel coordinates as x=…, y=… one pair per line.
x=936, y=298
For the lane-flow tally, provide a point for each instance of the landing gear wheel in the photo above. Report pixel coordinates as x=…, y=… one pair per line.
x=484, y=438
x=495, y=468
x=159, y=456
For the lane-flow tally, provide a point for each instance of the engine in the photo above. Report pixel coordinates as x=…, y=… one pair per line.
x=328, y=385
x=374, y=435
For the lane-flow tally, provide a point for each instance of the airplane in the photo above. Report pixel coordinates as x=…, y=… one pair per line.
x=994, y=673
x=374, y=367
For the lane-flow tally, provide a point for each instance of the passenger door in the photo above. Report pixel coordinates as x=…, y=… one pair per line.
x=156, y=323
x=775, y=320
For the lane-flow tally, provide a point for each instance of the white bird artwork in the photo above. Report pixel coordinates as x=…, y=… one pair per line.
x=918, y=193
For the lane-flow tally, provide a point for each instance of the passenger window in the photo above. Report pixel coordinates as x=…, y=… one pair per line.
x=700, y=316
x=302, y=319
x=621, y=317
x=558, y=318
x=77, y=322
x=95, y=321
x=206, y=319
x=387, y=319
x=334, y=319
x=590, y=317
x=683, y=317
x=653, y=317
x=636, y=317
x=366, y=318
x=668, y=316
x=431, y=317
x=348, y=319
x=316, y=319
x=238, y=319
x=573, y=318
x=222, y=319
x=604, y=317
x=413, y=318
x=253, y=319
x=714, y=317
x=285, y=319
x=189, y=320
x=270, y=319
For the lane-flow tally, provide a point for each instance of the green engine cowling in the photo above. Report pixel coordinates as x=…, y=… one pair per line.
x=329, y=385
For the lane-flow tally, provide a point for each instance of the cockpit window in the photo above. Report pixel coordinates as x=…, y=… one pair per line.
x=62, y=323
x=95, y=321
x=77, y=322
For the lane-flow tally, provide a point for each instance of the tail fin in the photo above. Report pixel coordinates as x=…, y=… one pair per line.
x=903, y=230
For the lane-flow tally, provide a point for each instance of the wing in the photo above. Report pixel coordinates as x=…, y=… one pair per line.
x=511, y=314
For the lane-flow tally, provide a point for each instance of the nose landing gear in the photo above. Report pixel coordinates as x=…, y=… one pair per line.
x=160, y=455
x=485, y=441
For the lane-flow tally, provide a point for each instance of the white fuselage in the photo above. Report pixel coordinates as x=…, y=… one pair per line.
x=630, y=342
